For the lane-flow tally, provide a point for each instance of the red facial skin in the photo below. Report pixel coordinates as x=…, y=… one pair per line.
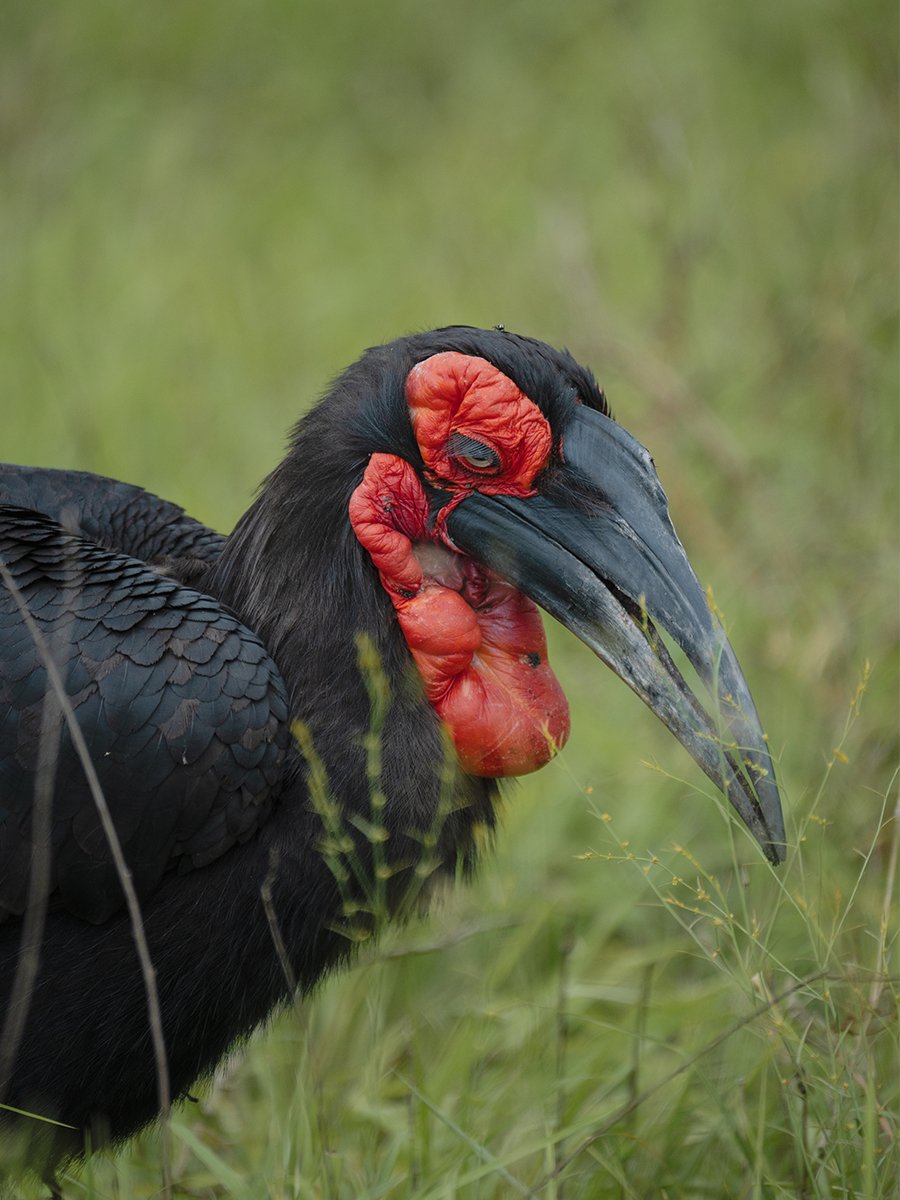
x=457, y=393
x=478, y=643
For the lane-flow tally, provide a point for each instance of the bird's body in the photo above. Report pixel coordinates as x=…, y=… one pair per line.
x=218, y=682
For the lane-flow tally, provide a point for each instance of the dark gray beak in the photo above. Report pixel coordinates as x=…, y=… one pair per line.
x=596, y=549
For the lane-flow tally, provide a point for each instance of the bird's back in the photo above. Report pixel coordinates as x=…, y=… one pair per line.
x=119, y=516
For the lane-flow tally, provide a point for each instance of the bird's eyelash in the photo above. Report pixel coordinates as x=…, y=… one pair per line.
x=474, y=454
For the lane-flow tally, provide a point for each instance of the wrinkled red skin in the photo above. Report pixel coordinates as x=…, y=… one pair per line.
x=458, y=393
x=478, y=643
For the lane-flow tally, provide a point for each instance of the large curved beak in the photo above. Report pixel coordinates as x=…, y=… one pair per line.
x=596, y=549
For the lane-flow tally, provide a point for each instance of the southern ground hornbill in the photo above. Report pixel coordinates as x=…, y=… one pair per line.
x=272, y=760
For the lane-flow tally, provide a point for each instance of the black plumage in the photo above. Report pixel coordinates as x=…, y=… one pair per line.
x=113, y=514
x=144, y=660
x=299, y=580
x=191, y=662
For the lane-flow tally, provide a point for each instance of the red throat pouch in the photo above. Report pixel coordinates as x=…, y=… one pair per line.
x=478, y=643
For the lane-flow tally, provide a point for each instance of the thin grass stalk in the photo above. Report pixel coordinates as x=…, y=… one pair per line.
x=632, y=1105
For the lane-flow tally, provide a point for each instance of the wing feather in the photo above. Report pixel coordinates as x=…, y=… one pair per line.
x=184, y=712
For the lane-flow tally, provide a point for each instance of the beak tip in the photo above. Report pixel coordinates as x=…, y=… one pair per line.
x=775, y=850
x=759, y=807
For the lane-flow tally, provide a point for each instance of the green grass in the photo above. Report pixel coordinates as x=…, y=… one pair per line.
x=208, y=210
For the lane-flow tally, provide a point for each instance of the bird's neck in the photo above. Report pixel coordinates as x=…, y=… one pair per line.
x=295, y=573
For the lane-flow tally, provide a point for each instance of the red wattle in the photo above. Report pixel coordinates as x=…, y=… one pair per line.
x=479, y=644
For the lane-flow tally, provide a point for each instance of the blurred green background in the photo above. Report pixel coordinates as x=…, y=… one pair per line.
x=208, y=210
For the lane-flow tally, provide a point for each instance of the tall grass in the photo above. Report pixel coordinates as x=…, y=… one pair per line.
x=209, y=210
x=727, y=1032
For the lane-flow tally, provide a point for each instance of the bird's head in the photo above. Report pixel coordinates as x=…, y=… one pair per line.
x=496, y=480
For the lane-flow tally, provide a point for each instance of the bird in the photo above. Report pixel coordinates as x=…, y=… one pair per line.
x=297, y=728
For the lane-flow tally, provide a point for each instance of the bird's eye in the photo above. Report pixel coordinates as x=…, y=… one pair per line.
x=475, y=455
x=481, y=462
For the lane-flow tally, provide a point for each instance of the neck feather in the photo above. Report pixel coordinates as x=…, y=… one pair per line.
x=295, y=573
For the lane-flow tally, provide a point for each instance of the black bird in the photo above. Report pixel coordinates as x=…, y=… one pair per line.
x=300, y=723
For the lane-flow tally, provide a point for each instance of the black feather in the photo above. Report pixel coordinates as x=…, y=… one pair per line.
x=186, y=695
